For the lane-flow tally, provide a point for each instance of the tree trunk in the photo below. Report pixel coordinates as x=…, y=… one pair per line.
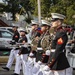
x=13, y=16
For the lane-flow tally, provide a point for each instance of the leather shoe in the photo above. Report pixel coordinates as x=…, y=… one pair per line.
x=6, y=68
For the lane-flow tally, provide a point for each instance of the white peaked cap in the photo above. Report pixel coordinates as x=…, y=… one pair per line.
x=47, y=52
x=34, y=22
x=45, y=22
x=31, y=54
x=57, y=15
x=36, y=68
x=21, y=29
x=46, y=68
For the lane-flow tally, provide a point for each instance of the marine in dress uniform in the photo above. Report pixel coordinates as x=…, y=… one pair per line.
x=13, y=52
x=18, y=62
x=34, y=31
x=33, y=34
x=40, y=48
x=58, y=61
x=22, y=54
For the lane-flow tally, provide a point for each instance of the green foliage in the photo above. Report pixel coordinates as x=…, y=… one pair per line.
x=45, y=5
x=26, y=4
x=65, y=7
x=15, y=6
x=2, y=6
x=34, y=7
x=12, y=6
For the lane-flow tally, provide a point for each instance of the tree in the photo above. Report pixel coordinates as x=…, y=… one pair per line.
x=26, y=5
x=45, y=5
x=34, y=7
x=65, y=7
x=12, y=6
x=18, y=6
x=2, y=6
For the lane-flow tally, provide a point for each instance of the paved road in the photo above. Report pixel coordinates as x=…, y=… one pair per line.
x=2, y=72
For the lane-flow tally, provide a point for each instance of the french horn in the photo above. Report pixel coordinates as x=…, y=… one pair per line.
x=34, y=44
x=45, y=42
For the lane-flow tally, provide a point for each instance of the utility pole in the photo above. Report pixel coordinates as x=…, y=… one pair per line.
x=39, y=11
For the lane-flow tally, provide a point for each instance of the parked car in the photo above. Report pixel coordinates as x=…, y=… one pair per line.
x=7, y=28
x=5, y=38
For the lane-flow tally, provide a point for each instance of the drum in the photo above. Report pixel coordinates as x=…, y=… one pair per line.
x=39, y=54
x=25, y=50
x=71, y=59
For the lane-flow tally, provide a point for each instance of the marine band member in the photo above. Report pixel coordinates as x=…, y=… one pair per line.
x=44, y=28
x=58, y=61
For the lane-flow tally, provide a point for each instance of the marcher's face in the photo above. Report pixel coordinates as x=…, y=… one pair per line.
x=22, y=33
x=14, y=29
x=54, y=24
x=34, y=27
x=43, y=28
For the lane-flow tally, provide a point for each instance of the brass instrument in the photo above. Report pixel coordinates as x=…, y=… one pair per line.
x=46, y=40
x=51, y=31
x=34, y=44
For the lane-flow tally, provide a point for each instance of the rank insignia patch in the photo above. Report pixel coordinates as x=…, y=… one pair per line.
x=60, y=41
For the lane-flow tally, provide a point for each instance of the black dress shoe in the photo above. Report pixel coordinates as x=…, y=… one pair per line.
x=6, y=68
x=15, y=74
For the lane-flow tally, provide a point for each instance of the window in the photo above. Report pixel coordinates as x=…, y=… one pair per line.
x=11, y=30
x=5, y=34
x=7, y=28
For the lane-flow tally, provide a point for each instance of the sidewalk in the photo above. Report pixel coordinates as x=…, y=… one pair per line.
x=3, y=59
x=3, y=72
